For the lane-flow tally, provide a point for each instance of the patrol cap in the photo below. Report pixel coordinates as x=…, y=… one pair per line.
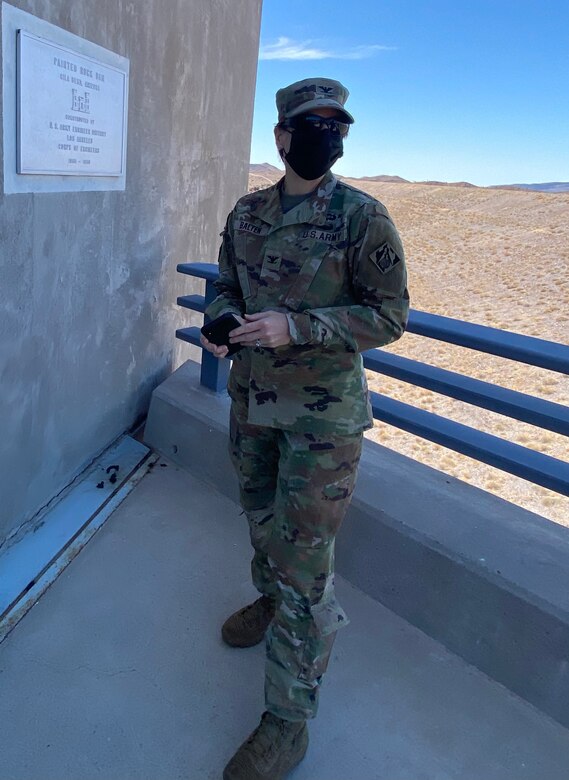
x=302, y=96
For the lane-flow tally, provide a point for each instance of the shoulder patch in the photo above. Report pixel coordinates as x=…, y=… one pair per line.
x=384, y=258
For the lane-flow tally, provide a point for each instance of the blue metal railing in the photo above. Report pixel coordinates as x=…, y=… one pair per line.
x=521, y=461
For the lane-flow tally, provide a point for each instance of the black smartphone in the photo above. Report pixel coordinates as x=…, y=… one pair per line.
x=217, y=331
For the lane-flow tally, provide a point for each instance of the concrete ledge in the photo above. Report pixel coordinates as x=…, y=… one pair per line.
x=487, y=579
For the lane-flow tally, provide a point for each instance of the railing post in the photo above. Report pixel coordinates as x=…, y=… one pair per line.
x=214, y=371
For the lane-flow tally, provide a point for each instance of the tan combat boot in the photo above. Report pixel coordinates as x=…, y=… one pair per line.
x=247, y=627
x=270, y=752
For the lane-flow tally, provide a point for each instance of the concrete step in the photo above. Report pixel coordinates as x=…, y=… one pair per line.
x=119, y=672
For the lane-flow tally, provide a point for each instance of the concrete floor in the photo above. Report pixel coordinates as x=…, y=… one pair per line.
x=119, y=671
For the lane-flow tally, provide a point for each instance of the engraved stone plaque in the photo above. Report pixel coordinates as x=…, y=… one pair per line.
x=71, y=111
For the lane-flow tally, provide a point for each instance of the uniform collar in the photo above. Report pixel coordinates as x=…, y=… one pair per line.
x=313, y=210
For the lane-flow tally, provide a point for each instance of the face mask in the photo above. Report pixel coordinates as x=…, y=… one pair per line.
x=312, y=153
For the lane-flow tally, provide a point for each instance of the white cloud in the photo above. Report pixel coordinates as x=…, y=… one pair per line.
x=287, y=49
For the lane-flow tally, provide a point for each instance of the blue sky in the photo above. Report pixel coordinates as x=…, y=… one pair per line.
x=470, y=90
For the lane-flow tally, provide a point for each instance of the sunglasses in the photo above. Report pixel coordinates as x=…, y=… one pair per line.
x=313, y=122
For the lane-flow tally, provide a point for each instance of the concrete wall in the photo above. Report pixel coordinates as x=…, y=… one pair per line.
x=89, y=283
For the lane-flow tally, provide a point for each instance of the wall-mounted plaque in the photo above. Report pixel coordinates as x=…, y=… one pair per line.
x=71, y=111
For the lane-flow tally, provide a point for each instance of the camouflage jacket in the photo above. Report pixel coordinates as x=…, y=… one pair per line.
x=335, y=265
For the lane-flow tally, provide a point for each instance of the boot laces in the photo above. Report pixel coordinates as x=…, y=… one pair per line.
x=252, y=613
x=267, y=738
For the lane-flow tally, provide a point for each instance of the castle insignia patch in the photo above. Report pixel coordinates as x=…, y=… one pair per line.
x=385, y=258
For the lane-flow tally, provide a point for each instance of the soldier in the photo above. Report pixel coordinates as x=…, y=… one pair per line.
x=315, y=272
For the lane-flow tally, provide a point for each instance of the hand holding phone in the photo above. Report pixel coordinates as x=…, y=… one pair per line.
x=217, y=331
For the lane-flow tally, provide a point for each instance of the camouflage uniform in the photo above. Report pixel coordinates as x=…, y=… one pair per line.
x=334, y=264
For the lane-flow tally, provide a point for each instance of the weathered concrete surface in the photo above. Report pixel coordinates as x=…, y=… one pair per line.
x=486, y=578
x=88, y=280
x=119, y=671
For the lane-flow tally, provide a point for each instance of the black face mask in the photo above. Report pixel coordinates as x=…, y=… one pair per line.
x=313, y=152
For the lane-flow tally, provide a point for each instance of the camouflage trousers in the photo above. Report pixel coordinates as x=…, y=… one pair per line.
x=295, y=489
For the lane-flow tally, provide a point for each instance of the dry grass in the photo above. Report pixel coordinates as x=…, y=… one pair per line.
x=497, y=258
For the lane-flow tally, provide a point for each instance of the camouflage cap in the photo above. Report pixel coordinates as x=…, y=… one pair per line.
x=300, y=97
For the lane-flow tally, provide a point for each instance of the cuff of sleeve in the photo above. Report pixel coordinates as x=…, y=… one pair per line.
x=300, y=328
x=219, y=307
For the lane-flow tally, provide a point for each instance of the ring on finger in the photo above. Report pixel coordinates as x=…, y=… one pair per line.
x=258, y=343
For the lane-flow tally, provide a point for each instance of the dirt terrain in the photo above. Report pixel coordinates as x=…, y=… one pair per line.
x=497, y=257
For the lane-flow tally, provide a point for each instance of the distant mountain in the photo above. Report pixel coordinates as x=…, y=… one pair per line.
x=264, y=168
x=552, y=186
x=399, y=180
x=555, y=186
x=447, y=183
x=395, y=179
x=264, y=173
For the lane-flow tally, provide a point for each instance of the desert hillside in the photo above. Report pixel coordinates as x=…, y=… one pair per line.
x=497, y=257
